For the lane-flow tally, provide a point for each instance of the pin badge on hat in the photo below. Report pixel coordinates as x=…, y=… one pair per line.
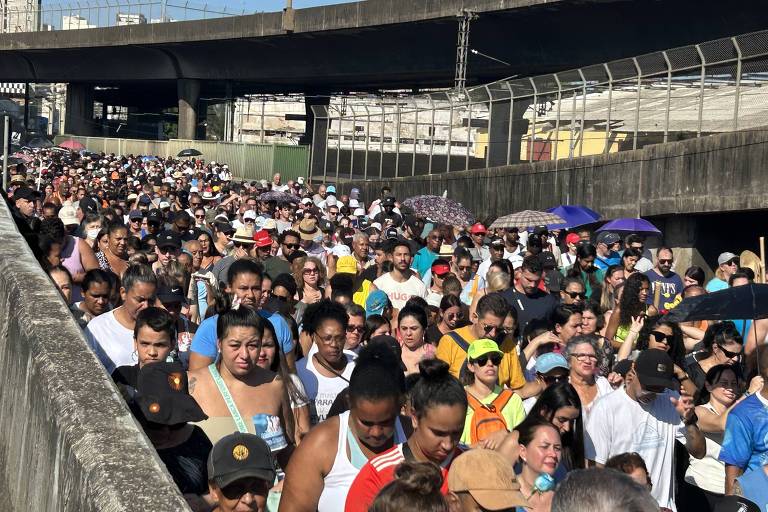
x=174, y=380
x=240, y=452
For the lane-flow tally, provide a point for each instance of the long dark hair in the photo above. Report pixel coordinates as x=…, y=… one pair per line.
x=556, y=396
x=586, y=251
x=676, y=346
x=630, y=304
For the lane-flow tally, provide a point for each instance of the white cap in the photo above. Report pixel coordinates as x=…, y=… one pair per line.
x=376, y=225
x=300, y=179
x=330, y=201
x=250, y=214
x=353, y=203
x=165, y=204
x=359, y=212
x=193, y=189
x=306, y=200
x=341, y=250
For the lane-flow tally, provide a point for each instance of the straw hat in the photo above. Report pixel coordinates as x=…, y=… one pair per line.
x=308, y=229
x=243, y=235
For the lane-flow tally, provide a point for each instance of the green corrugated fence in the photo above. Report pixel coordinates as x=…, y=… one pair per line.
x=246, y=161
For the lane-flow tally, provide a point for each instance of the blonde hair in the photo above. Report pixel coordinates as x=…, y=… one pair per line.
x=497, y=282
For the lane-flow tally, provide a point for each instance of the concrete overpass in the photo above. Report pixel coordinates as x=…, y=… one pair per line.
x=361, y=46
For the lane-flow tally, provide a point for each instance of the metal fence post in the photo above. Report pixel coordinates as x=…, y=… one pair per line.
x=367, y=139
x=490, y=121
x=433, y=129
x=450, y=134
x=572, y=140
x=338, y=143
x=469, y=126
x=703, y=78
x=511, y=121
x=415, y=136
x=396, y=136
x=637, y=109
x=354, y=136
x=557, y=116
x=669, y=95
x=608, y=114
x=583, y=109
x=532, y=139
x=381, y=142
x=327, y=133
x=737, y=97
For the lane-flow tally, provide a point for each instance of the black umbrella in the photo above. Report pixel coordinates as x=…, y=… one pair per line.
x=748, y=302
x=189, y=152
x=39, y=143
x=14, y=160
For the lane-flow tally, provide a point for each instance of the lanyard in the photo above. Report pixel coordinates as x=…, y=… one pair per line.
x=225, y=394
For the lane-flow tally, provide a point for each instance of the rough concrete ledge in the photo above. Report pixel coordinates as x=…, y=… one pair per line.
x=67, y=440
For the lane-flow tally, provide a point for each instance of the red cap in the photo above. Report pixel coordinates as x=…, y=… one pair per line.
x=262, y=238
x=572, y=238
x=477, y=228
x=440, y=268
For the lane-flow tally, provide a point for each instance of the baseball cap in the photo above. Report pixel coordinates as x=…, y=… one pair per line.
x=375, y=303
x=169, y=238
x=262, y=238
x=306, y=200
x=481, y=347
x=330, y=189
x=88, y=205
x=440, y=267
x=547, y=260
x=331, y=201
x=354, y=203
x=170, y=294
x=655, y=368
x=354, y=193
x=145, y=200
x=25, y=193
x=346, y=265
x=164, y=204
x=496, y=240
x=446, y=250
x=341, y=250
x=477, y=228
x=238, y=456
x=162, y=395
x=736, y=504
x=269, y=224
x=388, y=201
x=488, y=477
x=390, y=233
x=375, y=225
x=572, y=238
x=250, y=214
x=540, y=230
x=135, y=214
x=726, y=257
x=155, y=215
x=607, y=238
x=548, y=361
x=67, y=215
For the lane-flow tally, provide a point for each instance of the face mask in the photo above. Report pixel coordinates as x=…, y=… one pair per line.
x=93, y=233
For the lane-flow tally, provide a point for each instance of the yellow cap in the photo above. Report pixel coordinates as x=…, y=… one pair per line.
x=481, y=347
x=346, y=265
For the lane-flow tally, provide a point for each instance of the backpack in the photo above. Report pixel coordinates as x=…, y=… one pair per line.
x=487, y=418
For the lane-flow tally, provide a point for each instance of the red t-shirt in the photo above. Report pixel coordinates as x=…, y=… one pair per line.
x=380, y=470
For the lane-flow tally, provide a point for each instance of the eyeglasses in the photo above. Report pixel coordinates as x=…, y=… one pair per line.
x=332, y=340
x=661, y=337
x=307, y=271
x=483, y=360
x=292, y=246
x=457, y=316
x=574, y=295
x=199, y=216
x=553, y=379
x=728, y=353
x=355, y=328
x=465, y=268
x=582, y=357
x=249, y=221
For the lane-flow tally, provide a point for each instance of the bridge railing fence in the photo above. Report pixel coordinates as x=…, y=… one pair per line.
x=692, y=91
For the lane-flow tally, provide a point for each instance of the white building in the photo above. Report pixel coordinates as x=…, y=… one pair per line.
x=130, y=19
x=75, y=22
x=20, y=15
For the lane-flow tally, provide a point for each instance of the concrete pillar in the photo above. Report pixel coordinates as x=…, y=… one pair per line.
x=189, y=96
x=681, y=235
x=79, y=115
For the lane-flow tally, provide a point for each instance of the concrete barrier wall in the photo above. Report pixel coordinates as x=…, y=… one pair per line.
x=711, y=174
x=67, y=440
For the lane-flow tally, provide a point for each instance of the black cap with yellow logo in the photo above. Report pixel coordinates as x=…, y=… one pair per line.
x=162, y=394
x=239, y=456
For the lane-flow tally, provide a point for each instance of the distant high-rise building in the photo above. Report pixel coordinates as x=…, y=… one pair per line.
x=20, y=15
x=75, y=23
x=130, y=19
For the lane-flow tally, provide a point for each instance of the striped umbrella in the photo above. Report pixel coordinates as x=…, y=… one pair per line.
x=526, y=219
x=440, y=209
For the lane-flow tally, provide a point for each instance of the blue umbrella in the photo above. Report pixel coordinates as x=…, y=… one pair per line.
x=573, y=215
x=630, y=225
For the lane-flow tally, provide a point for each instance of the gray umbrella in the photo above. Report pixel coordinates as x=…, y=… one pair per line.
x=526, y=219
x=278, y=197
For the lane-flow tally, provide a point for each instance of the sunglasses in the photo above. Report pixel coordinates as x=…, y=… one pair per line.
x=488, y=329
x=661, y=337
x=310, y=271
x=573, y=295
x=733, y=262
x=665, y=261
x=199, y=216
x=728, y=353
x=354, y=328
x=457, y=316
x=292, y=246
x=464, y=268
x=553, y=379
x=281, y=298
x=483, y=360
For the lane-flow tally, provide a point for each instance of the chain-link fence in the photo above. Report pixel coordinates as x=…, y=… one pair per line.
x=692, y=91
x=84, y=14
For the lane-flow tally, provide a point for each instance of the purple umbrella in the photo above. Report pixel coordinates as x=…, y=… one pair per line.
x=573, y=215
x=631, y=225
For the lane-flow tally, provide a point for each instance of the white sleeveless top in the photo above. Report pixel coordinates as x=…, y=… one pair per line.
x=339, y=479
x=708, y=473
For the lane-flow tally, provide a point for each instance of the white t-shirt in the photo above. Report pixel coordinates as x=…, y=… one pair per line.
x=112, y=343
x=619, y=424
x=399, y=293
x=321, y=391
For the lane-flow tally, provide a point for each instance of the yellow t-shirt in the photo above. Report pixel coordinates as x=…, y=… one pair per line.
x=513, y=413
x=510, y=373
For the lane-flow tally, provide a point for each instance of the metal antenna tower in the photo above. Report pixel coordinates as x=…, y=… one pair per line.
x=462, y=48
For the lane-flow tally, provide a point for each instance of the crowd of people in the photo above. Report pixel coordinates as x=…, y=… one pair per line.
x=288, y=347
